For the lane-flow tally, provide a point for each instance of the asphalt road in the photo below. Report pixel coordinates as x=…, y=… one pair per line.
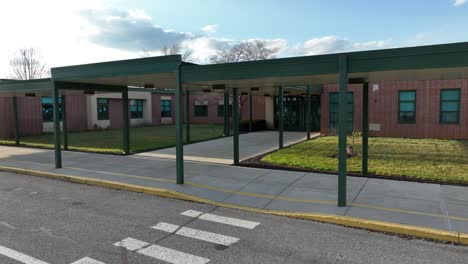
x=58, y=222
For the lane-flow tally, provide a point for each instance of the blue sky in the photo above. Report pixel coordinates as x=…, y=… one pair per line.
x=83, y=31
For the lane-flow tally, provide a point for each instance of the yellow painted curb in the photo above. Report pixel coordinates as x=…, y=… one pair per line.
x=374, y=225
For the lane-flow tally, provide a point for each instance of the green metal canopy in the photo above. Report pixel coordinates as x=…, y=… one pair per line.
x=297, y=75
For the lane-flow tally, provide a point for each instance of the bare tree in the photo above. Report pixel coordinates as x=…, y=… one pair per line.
x=245, y=51
x=175, y=49
x=187, y=54
x=27, y=65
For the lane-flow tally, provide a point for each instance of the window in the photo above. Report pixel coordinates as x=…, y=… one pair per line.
x=334, y=109
x=221, y=109
x=136, y=109
x=407, y=107
x=450, y=106
x=48, y=109
x=103, y=109
x=201, y=108
x=166, y=108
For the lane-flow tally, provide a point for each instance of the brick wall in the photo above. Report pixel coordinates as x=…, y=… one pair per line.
x=383, y=109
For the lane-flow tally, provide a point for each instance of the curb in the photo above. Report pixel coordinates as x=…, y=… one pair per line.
x=361, y=223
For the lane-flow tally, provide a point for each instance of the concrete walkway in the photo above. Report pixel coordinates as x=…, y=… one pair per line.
x=419, y=204
x=220, y=150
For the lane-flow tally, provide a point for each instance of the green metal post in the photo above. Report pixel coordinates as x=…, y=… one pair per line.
x=250, y=111
x=126, y=122
x=179, y=128
x=226, y=114
x=57, y=140
x=365, y=128
x=15, y=117
x=187, y=117
x=308, y=116
x=281, y=115
x=342, y=122
x=64, y=122
x=235, y=125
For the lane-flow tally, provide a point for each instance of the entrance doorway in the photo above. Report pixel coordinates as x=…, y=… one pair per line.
x=295, y=113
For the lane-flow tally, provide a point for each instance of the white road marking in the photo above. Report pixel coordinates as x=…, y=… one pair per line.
x=17, y=189
x=131, y=244
x=171, y=255
x=18, y=256
x=33, y=193
x=221, y=219
x=197, y=234
x=87, y=261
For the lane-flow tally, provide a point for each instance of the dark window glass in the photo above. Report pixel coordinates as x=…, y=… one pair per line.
x=48, y=109
x=334, y=109
x=166, y=108
x=136, y=109
x=450, y=106
x=201, y=108
x=103, y=109
x=407, y=107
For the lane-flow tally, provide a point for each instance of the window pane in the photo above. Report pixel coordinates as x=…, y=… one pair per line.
x=450, y=95
x=407, y=117
x=410, y=106
x=449, y=117
x=407, y=95
x=450, y=106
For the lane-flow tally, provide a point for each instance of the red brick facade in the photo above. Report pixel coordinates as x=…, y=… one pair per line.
x=383, y=109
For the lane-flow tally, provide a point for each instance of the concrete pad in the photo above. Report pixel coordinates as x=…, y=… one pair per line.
x=403, y=189
x=220, y=150
x=395, y=217
x=272, y=183
x=455, y=194
x=306, y=207
x=418, y=205
x=249, y=201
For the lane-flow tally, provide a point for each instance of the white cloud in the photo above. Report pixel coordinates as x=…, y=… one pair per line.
x=210, y=29
x=333, y=44
x=459, y=2
x=86, y=31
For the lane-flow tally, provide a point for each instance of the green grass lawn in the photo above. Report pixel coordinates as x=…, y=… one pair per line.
x=444, y=161
x=110, y=141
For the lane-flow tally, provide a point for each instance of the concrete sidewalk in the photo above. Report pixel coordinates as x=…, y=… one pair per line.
x=418, y=204
x=220, y=150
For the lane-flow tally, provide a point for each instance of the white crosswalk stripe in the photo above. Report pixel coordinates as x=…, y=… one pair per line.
x=159, y=252
x=18, y=256
x=171, y=255
x=131, y=244
x=221, y=219
x=197, y=234
x=87, y=261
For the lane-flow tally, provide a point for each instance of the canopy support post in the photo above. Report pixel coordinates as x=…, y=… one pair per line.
x=309, y=106
x=281, y=115
x=57, y=139
x=365, y=128
x=179, y=128
x=15, y=117
x=126, y=122
x=235, y=126
x=342, y=127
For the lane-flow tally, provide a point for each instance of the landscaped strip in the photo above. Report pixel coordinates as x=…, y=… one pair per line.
x=110, y=141
x=431, y=160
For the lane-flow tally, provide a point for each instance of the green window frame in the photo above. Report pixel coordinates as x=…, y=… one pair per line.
x=102, y=108
x=221, y=110
x=201, y=108
x=334, y=109
x=136, y=109
x=166, y=108
x=48, y=109
x=450, y=106
x=407, y=107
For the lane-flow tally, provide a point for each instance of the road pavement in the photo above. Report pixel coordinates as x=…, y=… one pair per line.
x=45, y=221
